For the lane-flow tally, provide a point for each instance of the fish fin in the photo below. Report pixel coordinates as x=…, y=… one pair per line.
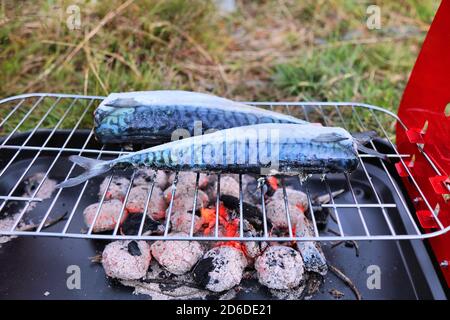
x=86, y=163
x=371, y=151
x=93, y=168
x=364, y=137
x=329, y=137
x=123, y=103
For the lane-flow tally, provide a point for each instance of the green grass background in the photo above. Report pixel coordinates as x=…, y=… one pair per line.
x=280, y=50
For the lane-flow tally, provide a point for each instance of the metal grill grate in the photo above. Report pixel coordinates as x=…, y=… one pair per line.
x=49, y=113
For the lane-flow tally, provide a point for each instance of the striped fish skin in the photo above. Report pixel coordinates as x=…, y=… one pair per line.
x=276, y=148
x=266, y=149
x=153, y=116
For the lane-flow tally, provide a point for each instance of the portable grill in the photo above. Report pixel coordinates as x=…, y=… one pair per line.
x=402, y=199
x=50, y=148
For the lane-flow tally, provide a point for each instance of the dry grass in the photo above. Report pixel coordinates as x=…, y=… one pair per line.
x=266, y=50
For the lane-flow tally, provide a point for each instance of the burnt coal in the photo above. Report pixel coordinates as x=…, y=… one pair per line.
x=202, y=270
x=133, y=249
x=10, y=208
x=223, y=271
x=321, y=215
x=250, y=212
x=133, y=222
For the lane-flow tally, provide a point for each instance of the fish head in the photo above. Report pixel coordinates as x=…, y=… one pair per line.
x=111, y=121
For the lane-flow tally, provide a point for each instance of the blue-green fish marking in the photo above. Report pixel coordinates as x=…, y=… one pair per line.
x=260, y=149
x=146, y=117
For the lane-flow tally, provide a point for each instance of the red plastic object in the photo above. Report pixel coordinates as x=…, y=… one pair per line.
x=425, y=99
x=439, y=184
x=414, y=135
x=426, y=220
x=401, y=170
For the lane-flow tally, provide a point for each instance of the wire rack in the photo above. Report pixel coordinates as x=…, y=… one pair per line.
x=54, y=113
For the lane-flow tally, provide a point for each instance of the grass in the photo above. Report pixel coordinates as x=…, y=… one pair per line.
x=266, y=50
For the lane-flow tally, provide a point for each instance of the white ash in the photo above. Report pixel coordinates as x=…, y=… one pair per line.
x=6, y=224
x=184, y=198
x=156, y=292
x=108, y=216
x=145, y=176
x=291, y=294
x=251, y=193
x=137, y=199
x=126, y=260
x=46, y=189
x=313, y=258
x=231, y=175
x=253, y=249
x=312, y=254
x=181, y=222
x=295, y=197
x=280, y=267
x=159, y=284
x=228, y=186
x=117, y=189
x=309, y=285
x=303, y=227
x=177, y=257
x=31, y=183
x=221, y=268
x=276, y=213
x=189, y=178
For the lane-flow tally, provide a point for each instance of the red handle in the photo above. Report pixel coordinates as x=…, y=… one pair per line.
x=422, y=110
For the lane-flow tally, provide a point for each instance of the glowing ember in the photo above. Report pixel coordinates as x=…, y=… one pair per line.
x=231, y=228
x=300, y=206
x=234, y=244
x=208, y=217
x=273, y=182
x=231, y=231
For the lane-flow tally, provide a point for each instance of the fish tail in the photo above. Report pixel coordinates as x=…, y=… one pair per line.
x=372, y=152
x=93, y=168
x=364, y=137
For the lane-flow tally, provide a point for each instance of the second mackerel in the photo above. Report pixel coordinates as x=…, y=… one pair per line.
x=150, y=117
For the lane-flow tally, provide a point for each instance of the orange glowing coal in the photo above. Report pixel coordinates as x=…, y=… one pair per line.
x=300, y=207
x=208, y=217
x=273, y=182
x=231, y=228
x=235, y=244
